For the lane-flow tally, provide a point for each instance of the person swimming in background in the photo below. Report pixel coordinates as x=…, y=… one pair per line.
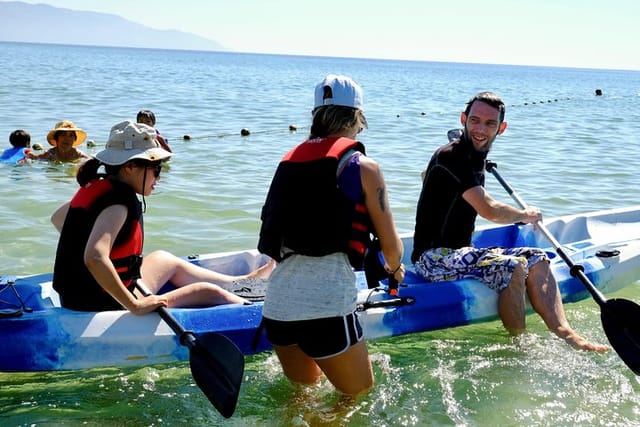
x=21, y=147
x=149, y=118
x=64, y=138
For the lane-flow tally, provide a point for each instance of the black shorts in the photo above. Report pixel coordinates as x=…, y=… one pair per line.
x=317, y=338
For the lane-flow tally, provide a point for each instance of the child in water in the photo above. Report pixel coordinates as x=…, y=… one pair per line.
x=21, y=147
x=148, y=118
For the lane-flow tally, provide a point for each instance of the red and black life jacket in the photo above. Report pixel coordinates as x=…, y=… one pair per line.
x=74, y=282
x=307, y=212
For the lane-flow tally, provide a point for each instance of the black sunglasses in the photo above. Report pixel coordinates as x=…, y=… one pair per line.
x=156, y=167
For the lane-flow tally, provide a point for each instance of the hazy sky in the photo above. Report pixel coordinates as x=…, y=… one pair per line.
x=570, y=33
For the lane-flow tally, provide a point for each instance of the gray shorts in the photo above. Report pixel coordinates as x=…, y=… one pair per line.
x=491, y=266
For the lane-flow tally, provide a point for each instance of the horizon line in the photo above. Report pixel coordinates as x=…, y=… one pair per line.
x=227, y=51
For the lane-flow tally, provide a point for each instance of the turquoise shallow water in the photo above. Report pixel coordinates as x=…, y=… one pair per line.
x=565, y=150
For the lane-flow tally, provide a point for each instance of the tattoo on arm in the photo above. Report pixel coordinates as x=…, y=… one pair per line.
x=380, y=192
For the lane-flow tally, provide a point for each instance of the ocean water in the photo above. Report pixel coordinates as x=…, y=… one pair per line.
x=565, y=150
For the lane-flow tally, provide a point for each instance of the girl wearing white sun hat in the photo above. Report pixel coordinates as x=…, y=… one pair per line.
x=99, y=255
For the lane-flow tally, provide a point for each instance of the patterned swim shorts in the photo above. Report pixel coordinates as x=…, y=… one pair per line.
x=491, y=266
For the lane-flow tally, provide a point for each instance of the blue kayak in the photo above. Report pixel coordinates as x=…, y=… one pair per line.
x=40, y=335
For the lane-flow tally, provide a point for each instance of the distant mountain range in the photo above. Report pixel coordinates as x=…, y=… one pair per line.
x=39, y=23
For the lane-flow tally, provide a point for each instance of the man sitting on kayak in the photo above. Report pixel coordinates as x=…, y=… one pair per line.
x=452, y=196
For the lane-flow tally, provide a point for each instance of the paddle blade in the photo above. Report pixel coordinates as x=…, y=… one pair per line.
x=217, y=366
x=621, y=323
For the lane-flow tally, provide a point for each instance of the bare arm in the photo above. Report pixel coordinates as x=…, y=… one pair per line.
x=47, y=155
x=96, y=258
x=58, y=217
x=498, y=212
x=163, y=143
x=376, y=200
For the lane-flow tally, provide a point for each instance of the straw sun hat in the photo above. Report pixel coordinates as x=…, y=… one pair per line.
x=67, y=126
x=128, y=141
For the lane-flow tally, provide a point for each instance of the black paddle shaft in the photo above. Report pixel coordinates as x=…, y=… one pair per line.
x=620, y=317
x=575, y=270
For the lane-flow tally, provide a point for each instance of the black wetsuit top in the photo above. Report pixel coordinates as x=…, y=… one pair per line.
x=443, y=217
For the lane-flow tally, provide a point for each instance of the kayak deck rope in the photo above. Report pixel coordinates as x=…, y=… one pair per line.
x=14, y=310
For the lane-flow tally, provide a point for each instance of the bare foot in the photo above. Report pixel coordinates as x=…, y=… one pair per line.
x=264, y=271
x=579, y=343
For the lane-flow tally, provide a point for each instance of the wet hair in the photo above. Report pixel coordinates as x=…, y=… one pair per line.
x=331, y=119
x=20, y=138
x=146, y=114
x=489, y=98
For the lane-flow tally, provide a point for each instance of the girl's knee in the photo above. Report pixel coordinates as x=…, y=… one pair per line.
x=158, y=255
x=164, y=260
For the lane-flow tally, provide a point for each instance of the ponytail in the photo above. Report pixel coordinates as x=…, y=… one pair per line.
x=88, y=171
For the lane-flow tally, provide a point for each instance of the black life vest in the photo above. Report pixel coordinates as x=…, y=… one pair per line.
x=306, y=212
x=74, y=282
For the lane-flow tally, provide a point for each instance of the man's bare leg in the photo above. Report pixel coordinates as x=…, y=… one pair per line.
x=546, y=300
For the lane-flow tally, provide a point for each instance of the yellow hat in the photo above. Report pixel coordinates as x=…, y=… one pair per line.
x=67, y=126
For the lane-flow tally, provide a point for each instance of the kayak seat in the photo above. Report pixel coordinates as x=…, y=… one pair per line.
x=508, y=236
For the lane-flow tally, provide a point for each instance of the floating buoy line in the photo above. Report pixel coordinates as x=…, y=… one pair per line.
x=548, y=101
x=293, y=128
x=597, y=92
x=244, y=132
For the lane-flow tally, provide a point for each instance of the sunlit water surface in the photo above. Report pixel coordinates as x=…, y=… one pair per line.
x=565, y=150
